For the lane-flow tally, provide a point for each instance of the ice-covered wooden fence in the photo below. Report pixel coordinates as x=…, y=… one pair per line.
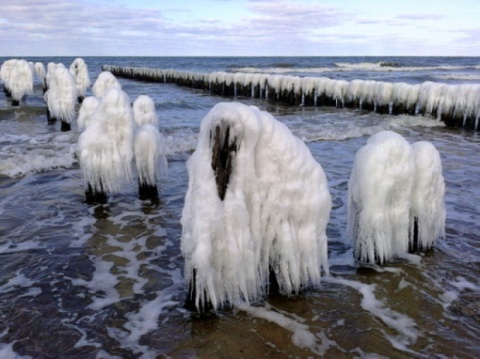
x=456, y=105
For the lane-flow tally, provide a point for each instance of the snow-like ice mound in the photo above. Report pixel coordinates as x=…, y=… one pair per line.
x=274, y=212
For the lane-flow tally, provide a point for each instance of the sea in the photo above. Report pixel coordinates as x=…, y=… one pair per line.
x=106, y=281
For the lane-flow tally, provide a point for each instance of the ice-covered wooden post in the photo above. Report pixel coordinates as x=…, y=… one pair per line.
x=395, y=198
x=149, y=148
x=17, y=78
x=379, y=198
x=79, y=71
x=61, y=96
x=257, y=202
x=105, y=148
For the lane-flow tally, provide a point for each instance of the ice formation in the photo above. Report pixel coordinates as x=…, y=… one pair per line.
x=266, y=210
x=144, y=111
x=149, y=155
x=105, y=148
x=395, y=198
x=427, y=215
x=456, y=105
x=379, y=198
x=17, y=78
x=149, y=149
x=79, y=70
x=104, y=82
x=85, y=113
x=41, y=73
x=61, y=95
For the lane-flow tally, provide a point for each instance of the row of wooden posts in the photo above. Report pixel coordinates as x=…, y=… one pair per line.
x=455, y=105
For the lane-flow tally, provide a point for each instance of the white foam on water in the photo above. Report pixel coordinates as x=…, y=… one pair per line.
x=458, y=76
x=404, y=325
x=11, y=247
x=146, y=319
x=18, y=281
x=350, y=67
x=139, y=323
x=7, y=352
x=180, y=142
x=37, y=154
x=460, y=284
x=325, y=129
x=301, y=337
x=102, y=283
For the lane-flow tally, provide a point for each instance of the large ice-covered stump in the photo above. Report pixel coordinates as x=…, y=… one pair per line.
x=257, y=202
x=379, y=198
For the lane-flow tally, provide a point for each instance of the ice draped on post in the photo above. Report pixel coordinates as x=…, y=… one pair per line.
x=379, y=197
x=62, y=94
x=395, y=198
x=274, y=213
x=17, y=78
x=105, y=147
x=79, y=71
x=149, y=144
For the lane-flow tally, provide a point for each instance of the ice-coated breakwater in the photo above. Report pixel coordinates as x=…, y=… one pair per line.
x=456, y=105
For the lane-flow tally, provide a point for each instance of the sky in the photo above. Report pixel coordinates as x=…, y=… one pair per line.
x=239, y=28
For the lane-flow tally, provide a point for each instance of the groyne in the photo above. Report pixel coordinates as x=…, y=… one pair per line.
x=456, y=105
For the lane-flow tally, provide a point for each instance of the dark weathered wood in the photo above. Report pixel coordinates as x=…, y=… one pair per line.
x=147, y=191
x=95, y=196
x=65, y=126
x=222, y=153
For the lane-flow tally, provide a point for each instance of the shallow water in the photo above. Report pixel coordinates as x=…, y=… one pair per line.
x=81, y=281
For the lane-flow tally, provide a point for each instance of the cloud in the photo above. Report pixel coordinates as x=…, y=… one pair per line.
x=216, y=27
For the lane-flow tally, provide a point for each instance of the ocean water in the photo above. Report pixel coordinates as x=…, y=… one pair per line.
x=83, y=281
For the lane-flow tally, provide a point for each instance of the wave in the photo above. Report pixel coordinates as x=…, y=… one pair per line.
x=383, y=66
x=328, y=130
x=459, y=77
x=24, y=154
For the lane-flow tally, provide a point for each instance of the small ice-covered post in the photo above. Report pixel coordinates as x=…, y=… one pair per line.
x=79, y=70
x=148, y=148
x=105, y=148
x=105, y=81
x=61, y=96
x=257, y=203
x=427, y=214
x=379, y=198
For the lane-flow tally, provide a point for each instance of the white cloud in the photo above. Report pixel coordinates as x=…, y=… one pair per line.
x=307, y=27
